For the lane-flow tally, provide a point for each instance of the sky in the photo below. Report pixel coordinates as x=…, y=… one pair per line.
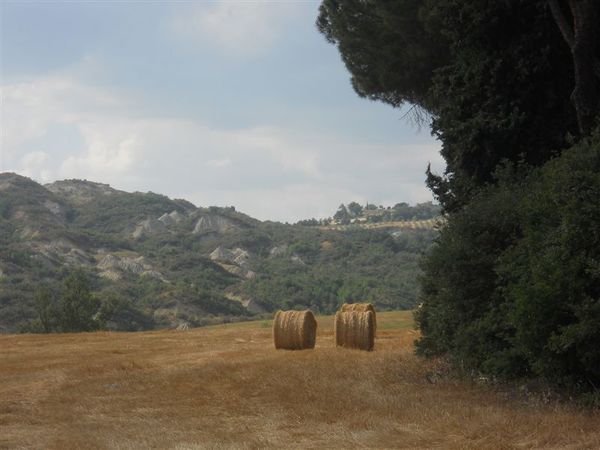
x=222, y=103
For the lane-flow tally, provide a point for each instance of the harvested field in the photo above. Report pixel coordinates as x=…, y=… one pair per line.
x=226, y=386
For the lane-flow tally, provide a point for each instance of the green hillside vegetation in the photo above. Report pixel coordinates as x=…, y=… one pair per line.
x=151, y=262
x=322, y=270
x=354, y=213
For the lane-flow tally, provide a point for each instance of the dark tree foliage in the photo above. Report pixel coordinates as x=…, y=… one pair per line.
x=72, y=308
x=463, y=314
x=389, y=51
x=399, y=212
x=119, y=313
x=504, y=95
x=511, y=287
x=47, y=310
x=77, y=305
x=551, y=276
x=496, y=77
x=355, y=209
x=342, y=215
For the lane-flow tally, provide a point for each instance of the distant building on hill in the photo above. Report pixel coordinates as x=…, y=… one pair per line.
x=373, y=212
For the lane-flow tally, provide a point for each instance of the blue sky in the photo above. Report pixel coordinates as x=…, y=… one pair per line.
x=221, y=103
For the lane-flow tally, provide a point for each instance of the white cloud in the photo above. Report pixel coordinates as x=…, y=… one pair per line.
x=109, y=150
x=28, y=107
x=269, y=172
x=219, y=162
x=240, y=28
x=289, y=203
x=275, y=143
x=34, y=165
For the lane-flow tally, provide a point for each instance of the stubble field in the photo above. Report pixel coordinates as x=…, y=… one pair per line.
x=227, y=387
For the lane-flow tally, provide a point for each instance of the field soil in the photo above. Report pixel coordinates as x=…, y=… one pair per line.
x=227, y=387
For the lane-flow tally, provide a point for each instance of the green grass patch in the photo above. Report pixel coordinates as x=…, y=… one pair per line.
x=395, y=320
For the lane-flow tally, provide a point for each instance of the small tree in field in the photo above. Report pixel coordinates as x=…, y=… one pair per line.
x=70, y=309
x=47, y=310
x=78, y=307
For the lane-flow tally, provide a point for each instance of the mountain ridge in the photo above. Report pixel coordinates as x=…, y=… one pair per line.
x=176, y=264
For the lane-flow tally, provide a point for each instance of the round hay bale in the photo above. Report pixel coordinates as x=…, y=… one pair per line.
x=294, y=330
x=355, y=329
x=362, y=307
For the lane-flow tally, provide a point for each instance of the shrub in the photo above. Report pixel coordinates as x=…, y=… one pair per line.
x=551, y=277
x=73, y=310
x=512, y=286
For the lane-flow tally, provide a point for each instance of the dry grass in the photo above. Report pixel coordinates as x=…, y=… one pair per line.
x=294, y=330
x=226, y=386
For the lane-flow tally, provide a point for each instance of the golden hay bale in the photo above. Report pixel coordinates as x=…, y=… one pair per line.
x=361, y=307
x=294, y=330
x=355, y=329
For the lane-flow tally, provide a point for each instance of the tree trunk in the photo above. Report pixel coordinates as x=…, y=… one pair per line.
x=585, y=36
x=582, y=39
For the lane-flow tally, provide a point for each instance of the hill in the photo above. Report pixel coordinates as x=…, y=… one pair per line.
x=161, y=262
x=427, y=224
x=401, y=215
x=226, y=386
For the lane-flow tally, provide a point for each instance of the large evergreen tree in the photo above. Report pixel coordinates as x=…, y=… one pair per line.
x=496, y=77
x=509, y=288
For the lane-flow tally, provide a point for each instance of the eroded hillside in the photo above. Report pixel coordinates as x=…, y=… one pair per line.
x=170, y=263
